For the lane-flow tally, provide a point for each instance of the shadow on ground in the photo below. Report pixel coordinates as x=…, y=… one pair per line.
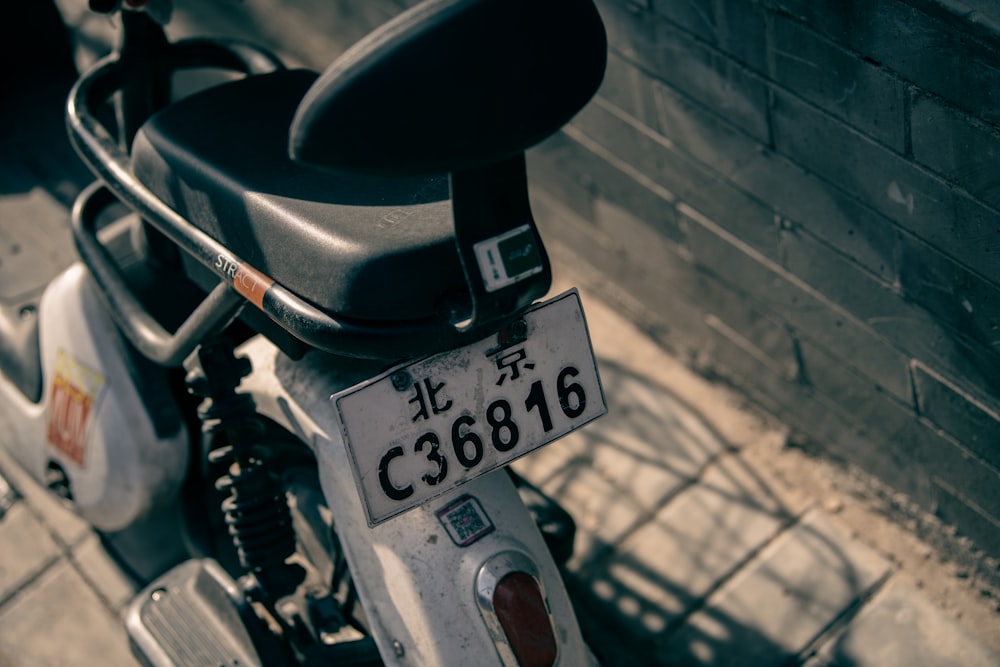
x=671, y=522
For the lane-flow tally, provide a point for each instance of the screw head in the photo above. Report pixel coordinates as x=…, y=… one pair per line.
x=401, y=380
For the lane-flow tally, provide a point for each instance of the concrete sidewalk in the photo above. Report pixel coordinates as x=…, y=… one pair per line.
x=706, y=540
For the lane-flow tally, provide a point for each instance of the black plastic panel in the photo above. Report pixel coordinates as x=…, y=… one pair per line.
x=365, y=247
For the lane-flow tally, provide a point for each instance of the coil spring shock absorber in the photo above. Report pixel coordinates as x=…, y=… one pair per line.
x=255, y=509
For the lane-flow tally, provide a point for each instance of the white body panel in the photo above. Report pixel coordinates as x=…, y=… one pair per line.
x=418, y=587
x=91, y=420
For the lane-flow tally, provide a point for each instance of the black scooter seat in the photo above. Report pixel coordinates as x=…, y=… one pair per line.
x=359, y=246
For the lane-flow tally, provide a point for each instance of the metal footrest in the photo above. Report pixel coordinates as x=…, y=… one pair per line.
x=191, y=616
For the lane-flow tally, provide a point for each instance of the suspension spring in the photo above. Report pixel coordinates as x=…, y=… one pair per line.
x=257, y=514
x=256, y=509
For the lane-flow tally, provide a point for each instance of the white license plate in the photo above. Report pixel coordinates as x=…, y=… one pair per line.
x=423, y=428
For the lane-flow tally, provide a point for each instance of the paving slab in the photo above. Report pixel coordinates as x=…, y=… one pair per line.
x=603, y=514
x=60, y=622
x=901, y=628
x=115, y=588
x=65, y=525
x=27, y=549
x=648, y=443
x=771, y=612
x=662, y=571
x=35, y=242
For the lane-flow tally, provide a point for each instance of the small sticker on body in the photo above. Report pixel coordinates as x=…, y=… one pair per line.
x=465, y=520
x=75, y=389
x=508, y=258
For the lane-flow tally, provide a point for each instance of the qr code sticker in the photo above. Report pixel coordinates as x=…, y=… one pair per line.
x=465, y=521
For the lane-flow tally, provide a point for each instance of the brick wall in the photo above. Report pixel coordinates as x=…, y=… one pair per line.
x=801, y=197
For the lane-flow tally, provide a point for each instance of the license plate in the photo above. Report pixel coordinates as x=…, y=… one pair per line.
x=424, y=428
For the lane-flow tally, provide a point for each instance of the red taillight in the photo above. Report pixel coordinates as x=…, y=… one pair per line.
x=519, y=605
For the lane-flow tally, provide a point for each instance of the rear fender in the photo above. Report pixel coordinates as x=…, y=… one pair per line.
x=418, y=585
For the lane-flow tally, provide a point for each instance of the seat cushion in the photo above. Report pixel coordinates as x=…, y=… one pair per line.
x=360, y=246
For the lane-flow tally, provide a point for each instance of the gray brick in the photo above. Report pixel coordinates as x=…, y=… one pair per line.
x=952, y=466
x=842, y=83
x=632, y=252
x=837, y=278
x=961, y=149
x=960, y=298
x=813, y=414
x=712, y=78
x=559, y=166
x=702, y=133
x=809, y=576
x=737, y=28
x=704, y=73
x=766, y=176
x=768, y=342
x=971, y=520
x=965, y=304
x=852, y=421
x=688, y=180
x=973, y=17
x=629, y=88
x=885, y=181
x=802, y=307
x=828, y=146
x=630, y=31
x=765, y=336
x=976, y=239
x=900, y=628
x=917, y=451
x=905, y=325
x=974, y=424
x=651, y=259
x=858, y=398
x=932, y=53
x=828, y=213
x=661, y=311
x=578, y=175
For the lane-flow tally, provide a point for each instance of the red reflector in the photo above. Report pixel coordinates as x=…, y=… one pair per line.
x=521, y=609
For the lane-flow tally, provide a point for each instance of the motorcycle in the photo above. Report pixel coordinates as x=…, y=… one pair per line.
x=305, y=339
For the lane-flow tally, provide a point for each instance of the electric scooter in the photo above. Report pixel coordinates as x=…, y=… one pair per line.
x=306, y=331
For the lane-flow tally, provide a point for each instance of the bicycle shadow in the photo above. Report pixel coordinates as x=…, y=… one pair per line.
x=670, y=518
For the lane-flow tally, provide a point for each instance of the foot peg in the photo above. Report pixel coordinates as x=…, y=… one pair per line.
x=192, y=616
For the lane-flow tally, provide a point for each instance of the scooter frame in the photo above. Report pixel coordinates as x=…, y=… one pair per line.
x=427, y=600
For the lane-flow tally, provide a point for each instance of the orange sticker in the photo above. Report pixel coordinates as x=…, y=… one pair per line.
x=252, y=284
x=71, y=403
x=248, y=281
